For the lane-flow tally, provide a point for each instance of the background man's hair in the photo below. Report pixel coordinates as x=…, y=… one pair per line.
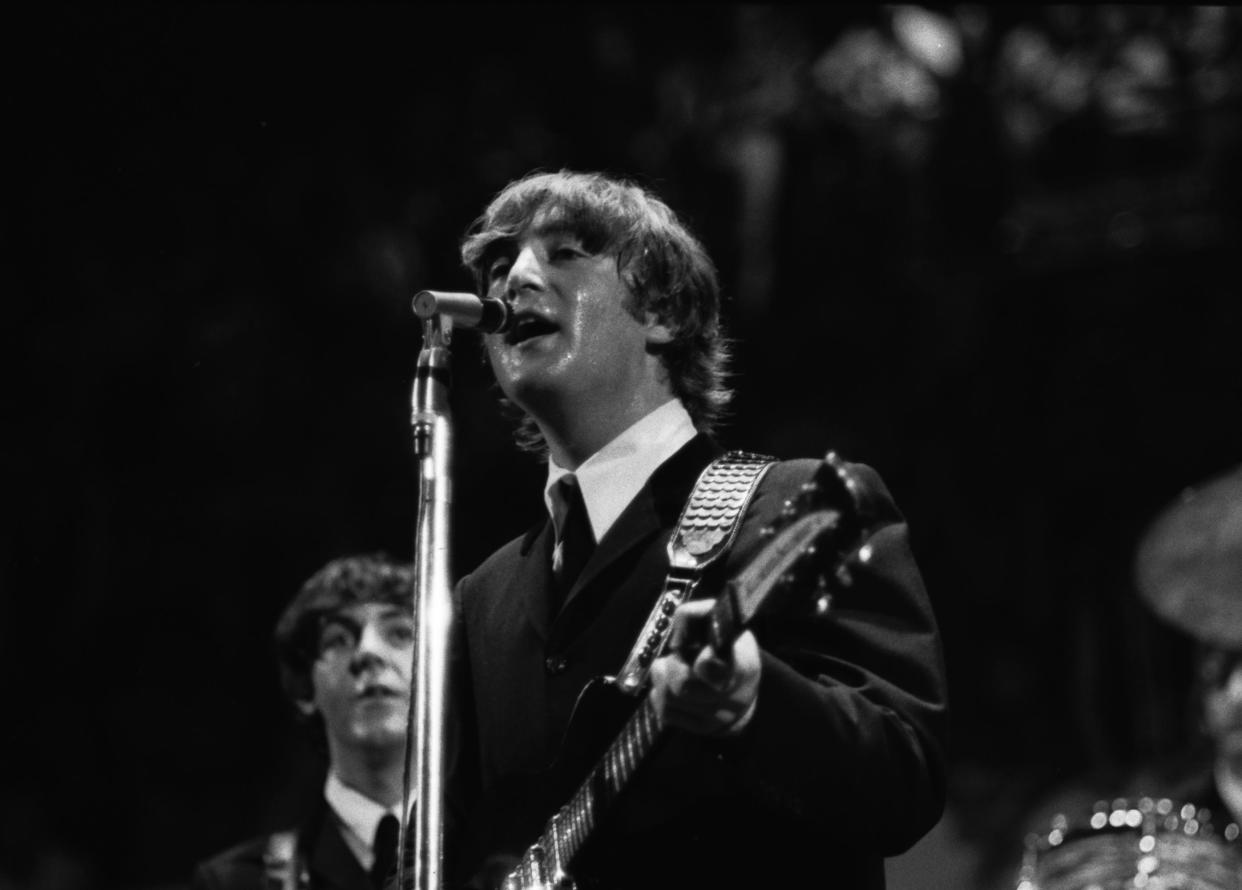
x=349, y=580
x=663, y=264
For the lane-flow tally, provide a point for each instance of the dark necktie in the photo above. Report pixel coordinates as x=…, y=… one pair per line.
x=575, y=538
x=385, y=849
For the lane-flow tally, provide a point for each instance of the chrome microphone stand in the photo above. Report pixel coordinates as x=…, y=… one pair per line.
x=426, y=733
x=427, y=739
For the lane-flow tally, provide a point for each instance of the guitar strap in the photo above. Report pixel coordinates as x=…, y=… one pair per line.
x=705, y=531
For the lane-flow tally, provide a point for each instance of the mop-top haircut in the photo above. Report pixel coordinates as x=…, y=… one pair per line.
x=664, y=266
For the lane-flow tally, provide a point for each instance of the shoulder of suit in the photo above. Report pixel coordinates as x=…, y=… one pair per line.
x=503, y=559
x=245, y=858
x=248, y=849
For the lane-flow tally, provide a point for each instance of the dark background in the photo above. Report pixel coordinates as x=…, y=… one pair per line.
x=991, y=252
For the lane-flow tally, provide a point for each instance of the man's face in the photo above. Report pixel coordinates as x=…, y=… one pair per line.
x=361, y=679
x=1222, y=703
x=574, y=340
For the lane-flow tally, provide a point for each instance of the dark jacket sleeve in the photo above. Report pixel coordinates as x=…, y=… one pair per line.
x=850, y=720
x=233, y=869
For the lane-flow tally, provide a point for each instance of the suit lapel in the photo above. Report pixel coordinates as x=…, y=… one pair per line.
x=536, y=578
x=332, y=863
x=656, y=506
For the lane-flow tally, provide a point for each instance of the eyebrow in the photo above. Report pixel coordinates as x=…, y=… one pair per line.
x=555, y=227
x=502, y=245
x=396, y=611
x=336, y=619
x=495, y=249
x=389, y=610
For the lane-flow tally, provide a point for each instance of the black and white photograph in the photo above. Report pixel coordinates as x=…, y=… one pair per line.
x=622, y=447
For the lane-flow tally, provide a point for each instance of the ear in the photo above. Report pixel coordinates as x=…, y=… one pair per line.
x=658, y=333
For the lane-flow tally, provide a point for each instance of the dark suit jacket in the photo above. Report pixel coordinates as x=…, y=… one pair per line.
x=841, y=765
x=330, y=864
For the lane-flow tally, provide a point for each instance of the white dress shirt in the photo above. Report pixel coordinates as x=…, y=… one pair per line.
x=359, y=815
x=611, y=477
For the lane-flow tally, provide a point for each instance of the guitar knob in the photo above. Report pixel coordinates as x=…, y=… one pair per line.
x=823, y=605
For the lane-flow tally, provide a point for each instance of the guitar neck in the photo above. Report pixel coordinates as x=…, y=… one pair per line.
x=569, y=829
x=566, y=832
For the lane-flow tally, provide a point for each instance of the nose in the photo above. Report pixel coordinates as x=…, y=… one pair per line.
x=526, y=273
x=370, y=649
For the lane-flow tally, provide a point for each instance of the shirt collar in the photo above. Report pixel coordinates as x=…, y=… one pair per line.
x=611, y=477
x=357, y=812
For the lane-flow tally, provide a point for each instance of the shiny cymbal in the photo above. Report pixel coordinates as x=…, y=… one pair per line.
x=1189, y=563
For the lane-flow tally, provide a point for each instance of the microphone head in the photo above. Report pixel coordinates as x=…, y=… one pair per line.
x=496, y=318
x=491, y=316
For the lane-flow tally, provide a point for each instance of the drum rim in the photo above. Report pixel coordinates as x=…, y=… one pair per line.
x=1138, y=817
x=1130, y=815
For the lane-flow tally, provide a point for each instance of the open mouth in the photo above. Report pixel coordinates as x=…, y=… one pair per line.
x=377, y=691
x=529, y=325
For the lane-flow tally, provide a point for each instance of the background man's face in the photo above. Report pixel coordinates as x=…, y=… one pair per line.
x=361, y=679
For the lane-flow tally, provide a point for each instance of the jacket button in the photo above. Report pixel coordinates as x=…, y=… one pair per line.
x=556, y=664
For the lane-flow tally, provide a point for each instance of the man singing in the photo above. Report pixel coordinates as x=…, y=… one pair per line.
x=812, y=746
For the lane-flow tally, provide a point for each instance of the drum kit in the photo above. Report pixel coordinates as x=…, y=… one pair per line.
x=1188, y=569
x=1146, y=843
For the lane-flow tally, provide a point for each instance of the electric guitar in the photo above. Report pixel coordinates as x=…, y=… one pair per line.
x=811, y=549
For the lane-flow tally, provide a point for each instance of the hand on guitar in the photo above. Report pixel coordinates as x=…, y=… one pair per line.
x=700, y=689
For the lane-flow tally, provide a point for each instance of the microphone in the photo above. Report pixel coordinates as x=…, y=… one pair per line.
x=487, y=315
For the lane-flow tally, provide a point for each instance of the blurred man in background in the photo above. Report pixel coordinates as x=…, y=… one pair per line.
x=808, y=749
x=345, y=645
x=1189, y=571
x=1219, y=679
